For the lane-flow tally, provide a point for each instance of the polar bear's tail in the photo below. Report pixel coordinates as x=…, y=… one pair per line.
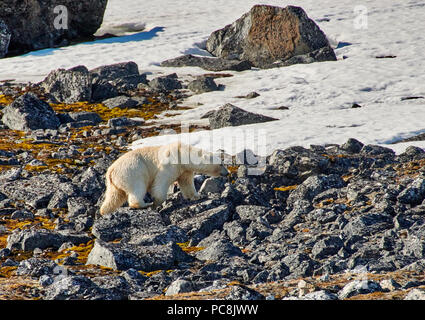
x=114, y=197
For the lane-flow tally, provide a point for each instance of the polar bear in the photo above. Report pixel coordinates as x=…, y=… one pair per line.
x=153, y=169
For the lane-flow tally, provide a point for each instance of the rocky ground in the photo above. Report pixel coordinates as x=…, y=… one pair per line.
x=328, y=222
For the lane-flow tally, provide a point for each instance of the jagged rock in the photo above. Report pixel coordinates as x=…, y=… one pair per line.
x=120, y=102
x=358, y=287
x=36, y=267
x=70, y=85
x=28, y=240
x=221, y=249
x=243, y=293
x=202, y=84
x=123, y=256
x=4, y=38
x=179, y=286
x=207, y=63
x=124, y=122
x=32, y=23
x=230, y=116
x=29, y=113
x=415, y=294
x=414, y=193
x=213, y=185
x=93, y=117
x=266, y=34
x=165, y=83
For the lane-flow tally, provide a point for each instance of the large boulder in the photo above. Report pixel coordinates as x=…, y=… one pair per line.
x=4, y=38
x=267, y=34
x=29, y=113
x=38, y=24
x=231, y=116
x=70, y=85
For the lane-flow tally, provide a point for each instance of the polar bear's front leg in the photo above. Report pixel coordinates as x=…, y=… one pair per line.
x=136, y=195
x=187, y=186
x=160, y=186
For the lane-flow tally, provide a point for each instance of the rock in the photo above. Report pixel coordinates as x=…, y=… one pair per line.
x=389, y=284
x=266, y=34
x=41, y=29
x=22, y=215
x=248, y=213
x=358, y=287
x=414, y=193
x=29, y=113
x=352, y=146
x=202, y=224
x=222, y=249
x=4, y=38
x=35, y=191
x=320, y=295
x=114, y=71
x=124, y=122
x=213, y=185
x=165, y=83
x=123, y=256
x=93, y=117
x=415, y=294
x=121, y=102
x=202, y=84
x=28, y=239
x=36, y=267
x=69, y=86
x=367, y=224
x=375, y=150
x=207, y=63
x=230, y=115
x=326, y=247
x=243, y=293
x=314, y=185
x=179, y=286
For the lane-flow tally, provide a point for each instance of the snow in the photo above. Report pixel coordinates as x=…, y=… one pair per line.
x=319, y=96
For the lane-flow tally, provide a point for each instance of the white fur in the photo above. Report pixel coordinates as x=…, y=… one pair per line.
x=153, y=170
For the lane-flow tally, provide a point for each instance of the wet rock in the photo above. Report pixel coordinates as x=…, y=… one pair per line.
x=202, y=84
x=263, y=35
x=207, y=63
x=123, y=256
x=70, y=85
x=231, y=116
x=29, y=113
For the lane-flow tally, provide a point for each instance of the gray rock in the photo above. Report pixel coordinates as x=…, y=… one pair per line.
x=123, y=256
x=389, y=284
x=367, y=224
x=4, y=38
x=230, y=116
x=357, y=287
x=326, y=247
x=207, y=63
x=375, y=150
x=69, y=86
x=265, y=34
x=39, y=30
x=299, y=264
x=213, y=185
x=165, y=83
x=124, y=122
x=71, y=288
x=36, y=267
x=114, y=71
x=352, y=146
x=121, y=102
x=248, y=213
x=222, y=249
x=202, y=84
x=22, y=215
x=179, y=286
x=320, y=295
x=204, y=223
x=414, y=193
x=243, y=293
x=314, y=185
x=29, y=239
x=29, y=113
x=93, y=117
